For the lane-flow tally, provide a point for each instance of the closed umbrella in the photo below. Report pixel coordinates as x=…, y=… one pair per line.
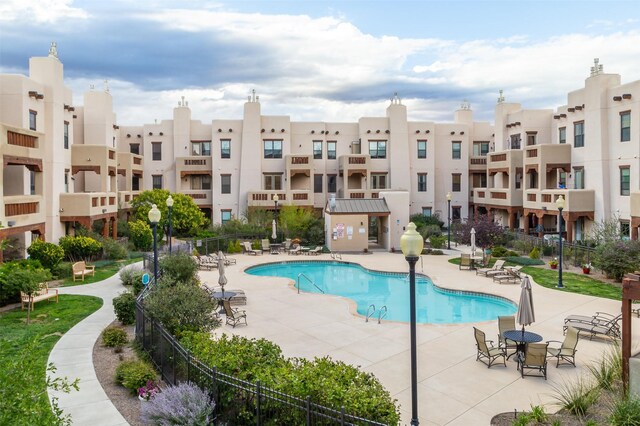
x=273, y=230
x=473, y=241
x=526, y=315
x=222, y=279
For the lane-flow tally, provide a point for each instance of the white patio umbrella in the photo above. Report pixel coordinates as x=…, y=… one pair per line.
x=222, y=279
x=473, y=241
x=525, y=315
x=273, y=230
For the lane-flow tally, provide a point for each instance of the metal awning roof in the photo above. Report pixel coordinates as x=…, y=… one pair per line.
x=377, y=206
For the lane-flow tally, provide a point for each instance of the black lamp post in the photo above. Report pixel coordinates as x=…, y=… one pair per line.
x=560, y=206
x=448, y=221
x=411, y=243
x=170, y=207
x=154, y=218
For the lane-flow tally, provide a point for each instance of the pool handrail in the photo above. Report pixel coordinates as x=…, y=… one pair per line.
x=370, y=312
x=301, y=274
x=382, y=313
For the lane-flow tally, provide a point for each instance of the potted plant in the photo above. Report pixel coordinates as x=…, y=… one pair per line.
x=148, y=391
x=553, y=263
x=586, y=268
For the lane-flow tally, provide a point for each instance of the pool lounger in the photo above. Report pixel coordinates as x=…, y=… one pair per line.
x=505, y=277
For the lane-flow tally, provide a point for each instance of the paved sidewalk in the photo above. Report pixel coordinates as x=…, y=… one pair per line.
x=73, y=358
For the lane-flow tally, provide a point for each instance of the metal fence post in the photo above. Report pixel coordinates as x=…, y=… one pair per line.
x=342, y=416
x=258, y=414
x=308, y=406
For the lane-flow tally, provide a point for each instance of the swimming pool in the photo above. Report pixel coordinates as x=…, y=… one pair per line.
x=434, y=305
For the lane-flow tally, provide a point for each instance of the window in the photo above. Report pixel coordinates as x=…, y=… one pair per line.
x=378, y=149
x=332, y=184
x=578, y=178
x=331, y=150
x=199, y=148
x=480, y=149
x=225, y=148
x=578, y=134
x=562, y=180
x=531, y=138
x=134, y=148
x=456, y=179
x=225, y=184
x=317, y=184
x=66, y=182
x=479, y=180
x=533, y=179
x=625, y=180
x=135, y=183
x=515, y=141
x=66, y=135
x=272, y=148
x=32, y=119
x=156, y=148
x=426, y=211
x=156, y=181
x=355, y=147
x=456, y=213
x=378, y=181
x=32, y=182
x=625, y=126
x=225, y=216
x=625, y=228
x=201, y=182
x=456, y=150
x=422, y=182
x=422, y=149
x=562, y=135
x=317, y=150
x=273, y=182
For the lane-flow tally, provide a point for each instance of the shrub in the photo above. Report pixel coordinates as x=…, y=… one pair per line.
x=180, y=267
x=10, y=288
x=617, y=258
x=114, y=337
x=62, y=270
x=524, y=261
x=123, y=228
x=576, y=397
x=547, y=250
x=184, y=404
x=49, y=254
x=140, y=235
x=499, y=251
x=132, y=276
x=181, y=308
x=80, y=248
x=625, y=412
x=437, y=241
x=113, y=250
x=124, y=306
x=429, y=230
x=608, y=370
x=134, y=374
x=534, y=253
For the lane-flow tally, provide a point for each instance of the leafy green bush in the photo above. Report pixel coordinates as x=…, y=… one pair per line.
x=617, y=258
x=429, y=230
x=49, y=254
x=62, y=270
x=140, y=235
x=124, y=306
x=113, y=337
x=10, y=288
x=80, y=248
x=524, y=261
x=113, y=250
x=181, y=308
x=123, y=228
x=181, y=267
x=625, y=412
x=134, y=374
x=132, y=276
x=437, y=241
x=499, y=251
x=547, y=250
x=534, y=253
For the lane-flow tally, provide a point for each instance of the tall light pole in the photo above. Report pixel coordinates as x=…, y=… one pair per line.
x=448, y=221
x=170, y=207
x=560, y=206
x=154, y=218
x=275, y=216
x=411, y=243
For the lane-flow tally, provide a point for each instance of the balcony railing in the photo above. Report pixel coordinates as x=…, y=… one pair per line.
x=87, y=203
x=18, y=209
x=20, y=139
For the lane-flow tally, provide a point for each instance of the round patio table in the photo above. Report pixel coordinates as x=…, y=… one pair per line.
x=521, y=338
x=220, y=296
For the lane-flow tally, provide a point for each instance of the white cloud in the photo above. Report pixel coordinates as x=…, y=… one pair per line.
x=40, y=11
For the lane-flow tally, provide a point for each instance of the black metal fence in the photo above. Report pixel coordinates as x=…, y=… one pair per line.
x=237, y=402
x=574, y=253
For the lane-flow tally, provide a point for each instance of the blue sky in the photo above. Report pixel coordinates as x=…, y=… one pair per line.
x=323, y=60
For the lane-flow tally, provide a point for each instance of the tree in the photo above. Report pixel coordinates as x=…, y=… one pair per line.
x=605, y=231
x=186, y=216
x=29, y=282
x=488, y=233
x=301, y=223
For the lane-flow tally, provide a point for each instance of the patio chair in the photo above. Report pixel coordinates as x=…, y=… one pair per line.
x=507, y=276
x=567, y=349
x=266, y=245
x=249, y=250
x=206, y=262
x=535, y=358
x=598, y=319
x=234, y=316
x=486, y=350
x=316, y=251
x=465, y=261
x=287, y=244
x=506, y=323
x=297, y=249
x=228, y=260
x=487, y=272
x=609, y=328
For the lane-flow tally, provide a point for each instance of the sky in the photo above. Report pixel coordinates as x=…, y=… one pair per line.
x=332, y=61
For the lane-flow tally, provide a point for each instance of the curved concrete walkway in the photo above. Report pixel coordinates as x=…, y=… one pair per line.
x=73, y=358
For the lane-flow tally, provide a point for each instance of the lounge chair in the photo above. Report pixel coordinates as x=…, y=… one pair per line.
x=609, y=328
x=465, y=261
x=506, y=275
x=316, y=251
x=567, y=349
x=228, y=260
x=206, y=262
x=486, y=350
x=598, y=319
x=249, y=250
x=487, y=272
x=535, y=358
x=506, y=323
x=234, y=316
x=266, y=245
x=297, y=249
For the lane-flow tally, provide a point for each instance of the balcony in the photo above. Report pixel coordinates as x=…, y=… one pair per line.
x=299, y=164
x=478, y=163
x=202, y=197
x=21, y=147
x=547, y=157
x=265, y=198
x=193, y=165
x=502, y=197
x=504, y=161
x=354, y=164
x=87, y=204
x=125, y=198
x=95, y=158
x=23, y=210
x=635, y=204
x=576, y=200
x=129, y=164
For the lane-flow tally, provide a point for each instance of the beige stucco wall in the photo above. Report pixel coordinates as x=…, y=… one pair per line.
x=347, y=232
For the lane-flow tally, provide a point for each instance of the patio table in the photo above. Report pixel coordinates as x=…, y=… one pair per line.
x=521, y=338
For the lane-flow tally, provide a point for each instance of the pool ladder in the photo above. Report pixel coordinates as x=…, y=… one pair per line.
x=308, y=279
x=372, y=310
x=336, y=256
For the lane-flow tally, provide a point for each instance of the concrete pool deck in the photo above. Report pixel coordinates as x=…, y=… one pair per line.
x=453, y=388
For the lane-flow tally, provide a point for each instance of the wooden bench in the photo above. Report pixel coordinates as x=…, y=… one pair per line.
x=44, y=293
x=80, y=269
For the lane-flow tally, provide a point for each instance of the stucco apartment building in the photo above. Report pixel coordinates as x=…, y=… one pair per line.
x=65, y=164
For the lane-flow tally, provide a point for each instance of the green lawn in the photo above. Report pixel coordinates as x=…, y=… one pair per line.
x=104, y=270
x=49, y=321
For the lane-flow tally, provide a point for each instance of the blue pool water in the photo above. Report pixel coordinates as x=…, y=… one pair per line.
x=365, y=287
